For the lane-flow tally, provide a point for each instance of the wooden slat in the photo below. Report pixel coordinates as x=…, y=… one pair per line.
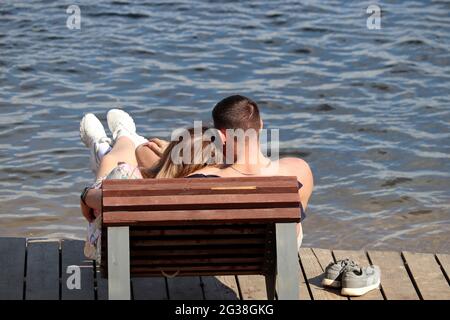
x=360, y=258
x=201, y=202
x=160, y=190
x=211, y=272
x=325, y=257
x=42, y=275
x=186, y=183
x=267, y=191
x=428, y=276
x=314, y=274
x=444, y=261
x=142, y=279
x=101, y=284
x=220, y=288
x=194, y=242
x=219, y=184
x=172, y=269
x=253, y=287
x=202, y=251
x=186, y=217
x=195, y=232
x=230, y=265
x=303, y=287
x=185, y=288
x=72, y=254
x=395, y=281
x=12, y=268
x=194, y=260
x=149, y=288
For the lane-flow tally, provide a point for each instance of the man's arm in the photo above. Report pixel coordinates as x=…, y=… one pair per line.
x=92, y=201
x=300, y=168
x=305, y=176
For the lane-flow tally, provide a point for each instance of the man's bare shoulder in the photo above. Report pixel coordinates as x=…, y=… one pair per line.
x=294, y=166
x=300, y=168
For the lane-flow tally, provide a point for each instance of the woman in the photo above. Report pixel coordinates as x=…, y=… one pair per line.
x=119, y=162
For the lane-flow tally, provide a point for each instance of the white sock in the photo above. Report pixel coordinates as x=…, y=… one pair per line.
x=102, y=148
x=98, y=151
x=138, y=140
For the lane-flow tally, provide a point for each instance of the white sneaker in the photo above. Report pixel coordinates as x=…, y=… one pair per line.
x=119, y=119
x=94, y=137
x=121, y=124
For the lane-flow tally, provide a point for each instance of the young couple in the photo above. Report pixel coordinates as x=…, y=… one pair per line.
x=131, y=156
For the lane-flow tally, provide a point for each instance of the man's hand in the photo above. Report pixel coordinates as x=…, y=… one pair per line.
x=92, y=204
x=149, y=153
x=87, y=212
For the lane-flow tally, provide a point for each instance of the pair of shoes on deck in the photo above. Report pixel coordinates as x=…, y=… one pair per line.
x=351, y=278
x=93, y=135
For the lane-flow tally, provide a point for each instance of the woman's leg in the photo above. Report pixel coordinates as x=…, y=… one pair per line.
x=123, y=151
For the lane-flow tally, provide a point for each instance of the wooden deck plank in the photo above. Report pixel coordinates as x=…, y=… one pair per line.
x=314, y=274
x=41, y=258
x=220, y=288
x=428, y=276
x=42, y=275
x=149, y=288
x=12, y=266
x=185, y=288
x=360, y=258
x=303, y=287
x=72, y=254
x=102, y=285
x=324, y=256
x=395, y=281
x=252, y=287
x=444, y=261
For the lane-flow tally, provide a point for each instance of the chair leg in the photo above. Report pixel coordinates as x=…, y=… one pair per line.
x=119, y=263
x=288, y=266
x=270, y=285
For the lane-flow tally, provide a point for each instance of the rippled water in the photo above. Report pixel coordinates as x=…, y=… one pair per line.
x=368, y=109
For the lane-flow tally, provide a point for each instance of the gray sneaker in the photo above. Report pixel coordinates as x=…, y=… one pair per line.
x=334, y=271
x=359, y=281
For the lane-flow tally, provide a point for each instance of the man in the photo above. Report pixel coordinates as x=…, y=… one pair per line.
x=240, y=113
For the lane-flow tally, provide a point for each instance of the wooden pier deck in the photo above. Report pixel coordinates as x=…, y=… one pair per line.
x=37, y=269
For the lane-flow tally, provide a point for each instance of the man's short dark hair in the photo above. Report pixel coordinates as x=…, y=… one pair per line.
x=236, y=112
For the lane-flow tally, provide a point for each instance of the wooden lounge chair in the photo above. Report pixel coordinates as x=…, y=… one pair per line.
x=213, y=226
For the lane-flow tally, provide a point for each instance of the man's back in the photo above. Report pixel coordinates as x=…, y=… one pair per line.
x=283, y=167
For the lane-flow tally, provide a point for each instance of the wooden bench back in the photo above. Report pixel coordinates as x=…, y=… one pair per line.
x=200, y=226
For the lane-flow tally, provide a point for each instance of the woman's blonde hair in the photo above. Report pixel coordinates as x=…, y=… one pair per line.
x=199, y=158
